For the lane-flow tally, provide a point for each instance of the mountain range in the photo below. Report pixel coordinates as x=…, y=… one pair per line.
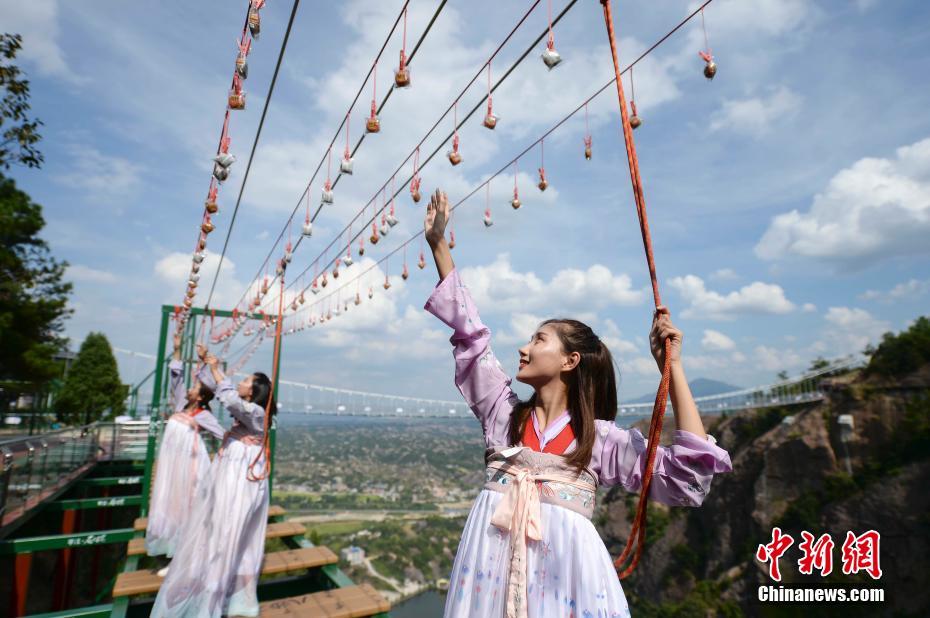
x=700, y=387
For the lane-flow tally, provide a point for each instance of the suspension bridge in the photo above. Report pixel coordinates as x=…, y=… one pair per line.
x=318, y=400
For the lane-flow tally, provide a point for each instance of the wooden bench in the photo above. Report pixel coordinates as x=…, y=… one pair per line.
x=274, y=511
x=135, y=583
x=348, y=602
x=273, y=531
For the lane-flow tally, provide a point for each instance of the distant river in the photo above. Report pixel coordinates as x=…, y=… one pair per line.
x=424, y=605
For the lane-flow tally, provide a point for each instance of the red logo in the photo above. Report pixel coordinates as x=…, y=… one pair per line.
x=860, y=553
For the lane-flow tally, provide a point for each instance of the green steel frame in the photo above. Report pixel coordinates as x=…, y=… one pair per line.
x=160, y=386
x=326, y=577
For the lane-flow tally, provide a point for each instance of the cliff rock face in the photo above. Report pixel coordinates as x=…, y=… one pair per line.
x=791, y=469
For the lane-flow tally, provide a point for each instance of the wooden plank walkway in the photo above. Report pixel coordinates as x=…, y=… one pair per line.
x=275, y=530
x=134, y=583
x=141, y=523
x=348, y=602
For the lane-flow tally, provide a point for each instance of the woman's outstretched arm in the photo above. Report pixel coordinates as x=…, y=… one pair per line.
x=176, y=371
x=434, y=229
x=478, y=375
x=686, y=412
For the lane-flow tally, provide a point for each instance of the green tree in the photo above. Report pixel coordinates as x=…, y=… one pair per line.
x=33, y=297
x=93, y=386
x=899, y=355
x=18, y=134
x=819, y=363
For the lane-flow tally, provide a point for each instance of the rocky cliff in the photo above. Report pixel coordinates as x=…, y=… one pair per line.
x=792, y=469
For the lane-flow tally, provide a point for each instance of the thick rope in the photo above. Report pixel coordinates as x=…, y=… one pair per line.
x=266, y=438
x=637, y=536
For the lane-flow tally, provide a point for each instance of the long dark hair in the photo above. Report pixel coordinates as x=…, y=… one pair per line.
x=204, y=397
x=592, y=389
x=262, y=393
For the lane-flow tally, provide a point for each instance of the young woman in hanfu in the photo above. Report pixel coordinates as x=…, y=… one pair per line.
x=183, y=460
x=529, y=548
x=216, y=568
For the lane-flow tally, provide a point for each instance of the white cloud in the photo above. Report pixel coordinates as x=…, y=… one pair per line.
x=37, y=22
x=757, y=116
x=644, y=366
x=497, y=287
x=521, y=328
x=89, y=275
x=765, y=17
x=613, y=339
x=774, y=359
x=378, y=328
x=875, y=209
x=908, y=289
x=101, y=177
x=724, y=274
x=175, y=268
x=755, y=298
x=851, y=329
x=715, y=340
x=809, y=308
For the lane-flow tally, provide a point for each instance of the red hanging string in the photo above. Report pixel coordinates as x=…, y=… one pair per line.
x=489, y=88
x=704, y=28
x=348, y=153
x=415, y=180
x=455, y=127
x=637, y=536
x=307, y=221
x=374, y=90
x=587, y=130
x=266, y=438
x=551, y=43
x=403, y=47
x=225, y=139
x=392, y=196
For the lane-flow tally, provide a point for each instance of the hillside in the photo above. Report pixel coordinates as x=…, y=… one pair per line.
x=793, y=475
x=700, y=387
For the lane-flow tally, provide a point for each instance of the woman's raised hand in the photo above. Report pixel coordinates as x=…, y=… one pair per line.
x=437, y=215
x=177, y=342
x=210, y=359
x=662, y=329
x=201, y=351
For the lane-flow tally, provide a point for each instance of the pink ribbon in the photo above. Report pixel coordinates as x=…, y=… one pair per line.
x=519, y=513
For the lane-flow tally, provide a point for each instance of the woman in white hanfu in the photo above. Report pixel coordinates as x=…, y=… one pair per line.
x=529, y=548
x=183, y=460
x=216, y=568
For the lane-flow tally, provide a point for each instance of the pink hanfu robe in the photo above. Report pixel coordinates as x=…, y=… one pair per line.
x=216, y=568
x=529, y=547
x=183, y=463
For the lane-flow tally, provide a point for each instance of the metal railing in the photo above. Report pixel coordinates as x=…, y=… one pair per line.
x=34, y=468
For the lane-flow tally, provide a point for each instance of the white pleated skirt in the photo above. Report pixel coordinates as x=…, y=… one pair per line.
x=217, y=564
x=569, y=572
x=183, y=463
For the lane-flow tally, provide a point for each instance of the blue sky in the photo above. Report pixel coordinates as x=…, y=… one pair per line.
x=789, y=199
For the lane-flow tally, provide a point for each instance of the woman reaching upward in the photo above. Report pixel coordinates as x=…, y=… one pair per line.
x=183, y=460
x=529, y=548
x=216, y=568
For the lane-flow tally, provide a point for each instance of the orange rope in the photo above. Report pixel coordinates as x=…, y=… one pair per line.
x=266, y=438
x=637, y=536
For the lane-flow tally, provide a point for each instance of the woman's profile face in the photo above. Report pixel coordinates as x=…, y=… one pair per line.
x=245, y=388
x=542, y=358
x=193, y=393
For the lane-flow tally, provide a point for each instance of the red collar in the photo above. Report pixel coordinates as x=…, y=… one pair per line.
x=556, y=446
